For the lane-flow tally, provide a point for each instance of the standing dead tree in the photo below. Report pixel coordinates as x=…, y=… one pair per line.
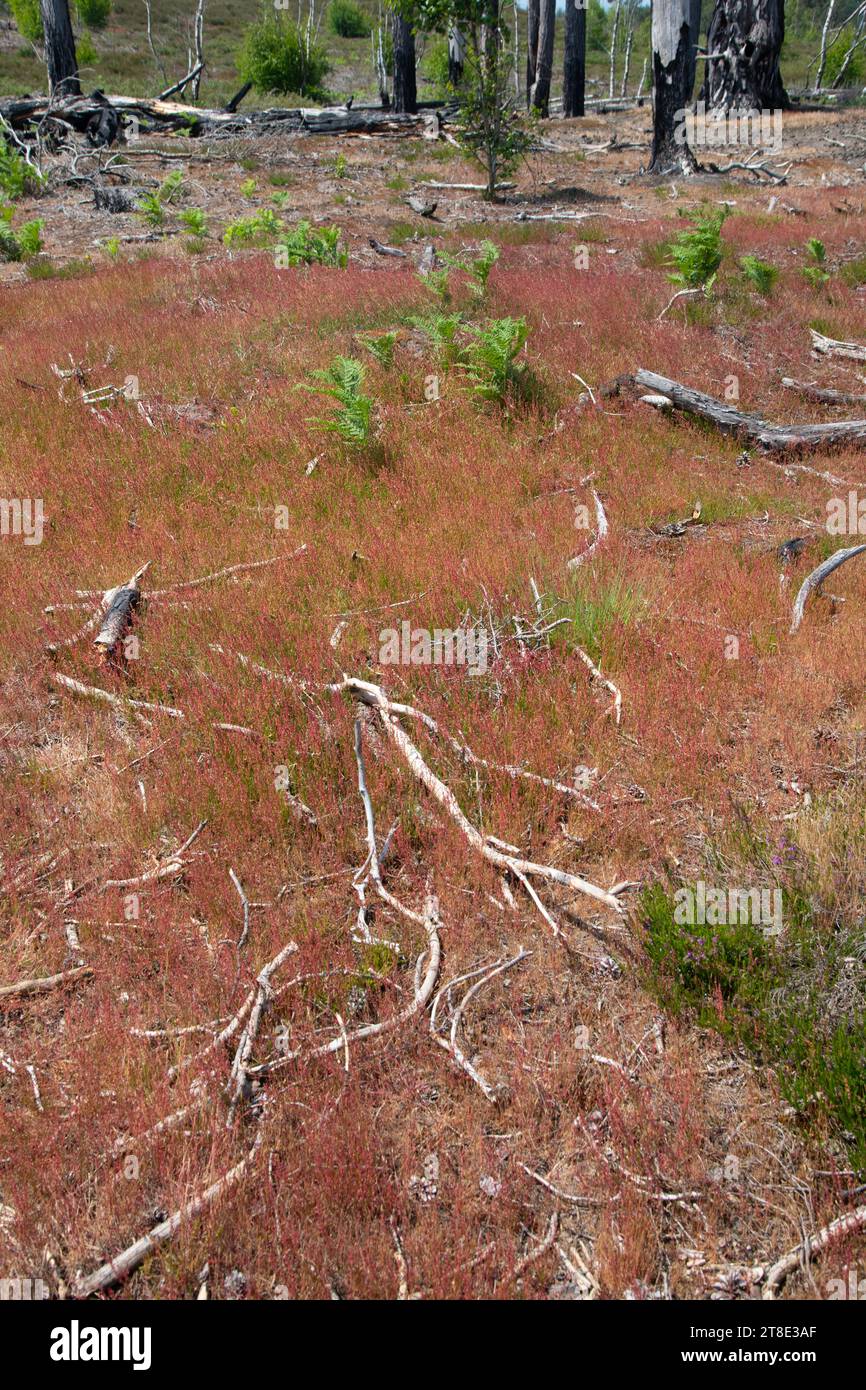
x=744, y=44
x=574, y=67
x=538, y=94
x=671, y=40
x=60, y=54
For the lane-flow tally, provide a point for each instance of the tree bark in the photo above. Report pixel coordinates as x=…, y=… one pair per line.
x=694, y=40
x=671, y=36
x=456, y=57
x=405, y=90
x=59, y=48
x=533, y=12
x=750, y=34
x=539, y=97
x=574, y=70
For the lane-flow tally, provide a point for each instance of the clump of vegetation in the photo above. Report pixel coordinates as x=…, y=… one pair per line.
x=194, y=221
x=353, y=419
x=20, y=245
x=381, y=345
x=280, y=56
x=152, y=206
x=93, y=13
x=759, y=273
x=28, y=18
x=308, y=245
x=259, y=229
x=341, y=164
x=816, y=272
x=17, y=177
x=796, y=1000
x=348, y=21
x=697, y=253
x=478, y=268
x=490, y=358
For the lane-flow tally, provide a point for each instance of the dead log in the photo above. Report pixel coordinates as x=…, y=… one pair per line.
x=831, y=347
x=164, y=117
x=754, y=427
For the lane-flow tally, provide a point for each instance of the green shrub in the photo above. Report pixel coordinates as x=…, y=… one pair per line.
x=381, y=345
x=16, y=175
x=697, y=253
x=348, y=20
x=759, y=273
x=277, y=56
x=194, y=221
x=28, y=18
x=20, y=245
x=93, y=13
x=353, y=418
x=855, y=72
x=85, y=51
x=259, y=229
x=307, y=245
x=815, y=273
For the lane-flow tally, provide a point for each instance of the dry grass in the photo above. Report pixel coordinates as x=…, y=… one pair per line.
x=453, y=511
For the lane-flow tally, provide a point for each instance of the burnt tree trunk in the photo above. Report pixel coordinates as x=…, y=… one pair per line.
x=749, y=33
x=539, y=95
x=574, y=68
x=694, y=40
x=670, y=41
x=533, y=12
x=59, y=48
x=405, y=90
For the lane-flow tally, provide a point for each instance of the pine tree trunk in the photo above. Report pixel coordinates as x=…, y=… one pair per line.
x=59, y=48
x=750, y=34
x=574, y=70
x=405, y=90
x=539, y=97
x=456, y=57
x=671, y=36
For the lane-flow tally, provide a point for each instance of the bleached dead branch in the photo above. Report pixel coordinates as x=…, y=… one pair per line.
x=46, y=982
x=814, y=580
x=450, y=1044
x=846, y=1225
x=616, y=707
x=374, y=696
x=601, y=531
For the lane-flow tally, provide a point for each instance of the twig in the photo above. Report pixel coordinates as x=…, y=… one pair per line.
x=46, y=982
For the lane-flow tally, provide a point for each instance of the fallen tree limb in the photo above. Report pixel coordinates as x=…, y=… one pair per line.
x=813, y=1245
x=46, y=983
x=124, y=1264
x=450, y=1044
x=601, y=530
x=754, y=427
x=159, y=115
x=374, y=696
x=816, y=579
x=832, y=347
x=821, y=394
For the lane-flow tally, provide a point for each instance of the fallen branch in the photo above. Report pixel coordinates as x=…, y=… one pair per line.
x=46, y=983
x=601, y=531
x=821, y=394
x=812, y=1245
x=832, y=347
x=374, y=696
x=750, y=426
x=450, y=1043
x=124, y=1264
x=814, y=580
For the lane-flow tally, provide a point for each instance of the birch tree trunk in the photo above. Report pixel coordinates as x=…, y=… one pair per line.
x=670, y=41
x=574, y=71
x=749, y=33
x=539, y=98
x=59, y=48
